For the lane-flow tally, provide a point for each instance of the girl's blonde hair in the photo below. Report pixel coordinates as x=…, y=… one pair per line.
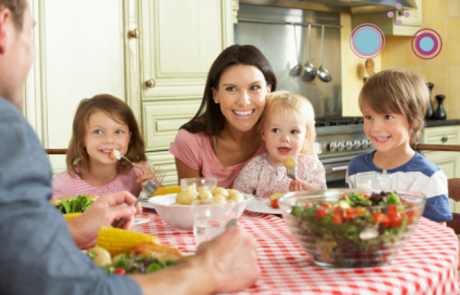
x=297, y=105
x=77, y=158
x=400, y=92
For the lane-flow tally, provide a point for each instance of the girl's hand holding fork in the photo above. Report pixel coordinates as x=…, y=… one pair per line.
x=141, y=179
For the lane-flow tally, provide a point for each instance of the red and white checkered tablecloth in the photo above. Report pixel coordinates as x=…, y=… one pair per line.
x=427, y=265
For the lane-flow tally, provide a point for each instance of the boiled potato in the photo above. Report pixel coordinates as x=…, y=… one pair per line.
x=275, y=196
x=237, y=197
x=232, y=192
x=190, y=188
x=219, y=191
x=185, y=197
x=219, y=199
x=204, y=194
x=289, y=163
x=102, y=257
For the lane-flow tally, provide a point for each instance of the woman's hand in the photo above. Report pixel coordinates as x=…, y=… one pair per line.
x=101, y=213
x=141, y=179
x=298, y=185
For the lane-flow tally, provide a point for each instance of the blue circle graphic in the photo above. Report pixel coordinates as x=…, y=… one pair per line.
x=367, y=41
x=426, y=44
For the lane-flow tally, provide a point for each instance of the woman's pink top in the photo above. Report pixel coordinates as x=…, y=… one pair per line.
x=66, y=185
x=260, y=178
x=194, y=149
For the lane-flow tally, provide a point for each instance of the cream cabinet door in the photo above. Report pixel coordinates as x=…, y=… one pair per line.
x=164, y=160
x=449, y=162
x=180, y=41
x=80, y=53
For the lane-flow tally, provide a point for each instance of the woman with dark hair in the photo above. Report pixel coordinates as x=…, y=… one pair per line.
x=223, y=135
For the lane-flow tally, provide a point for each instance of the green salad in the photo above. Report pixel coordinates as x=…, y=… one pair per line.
x=137, y=264
x=78, y=205
x=355, y=225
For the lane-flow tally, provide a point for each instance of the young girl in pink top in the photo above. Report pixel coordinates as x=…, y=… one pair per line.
x=102, y=124
x=288, y=130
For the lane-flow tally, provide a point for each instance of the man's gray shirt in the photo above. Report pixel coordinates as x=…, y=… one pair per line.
x=37, y=253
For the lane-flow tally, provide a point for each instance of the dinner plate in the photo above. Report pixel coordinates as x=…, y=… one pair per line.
x=146, y=204
x=262, y=206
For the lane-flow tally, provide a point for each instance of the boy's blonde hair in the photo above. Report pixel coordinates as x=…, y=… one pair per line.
x=400, y=92
x=297, y=105
x=77, y=157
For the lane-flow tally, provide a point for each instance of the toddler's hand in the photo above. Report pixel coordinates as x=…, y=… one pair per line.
x=146, y=174
x=298, y=185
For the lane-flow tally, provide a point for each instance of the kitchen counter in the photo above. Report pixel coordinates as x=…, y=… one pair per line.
x=437, y=123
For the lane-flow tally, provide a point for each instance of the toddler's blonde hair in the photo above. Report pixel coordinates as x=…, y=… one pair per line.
x=400, y=92
x=297, y=105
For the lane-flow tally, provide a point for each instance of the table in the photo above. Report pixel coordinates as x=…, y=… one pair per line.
x=427, y=265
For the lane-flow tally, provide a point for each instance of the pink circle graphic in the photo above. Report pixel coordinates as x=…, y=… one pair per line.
x=406, y=14
x=398, y=22
x=398, y=6
x=426, y=33
x=390, y=14
x=354, y=47
x=432, y=37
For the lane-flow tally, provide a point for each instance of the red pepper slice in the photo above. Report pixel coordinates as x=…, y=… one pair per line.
x=320, y=213
x=395, y=220
x=381, y=218
x=337, y=216
x=326, y=205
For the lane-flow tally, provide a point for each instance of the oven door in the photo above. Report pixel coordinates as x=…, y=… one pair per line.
x=335, y=174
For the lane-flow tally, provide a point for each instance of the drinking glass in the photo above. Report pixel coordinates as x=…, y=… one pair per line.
x=210, y=220
x=375, y=180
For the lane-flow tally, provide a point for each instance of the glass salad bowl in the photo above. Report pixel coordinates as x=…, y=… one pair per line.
x=352, y=228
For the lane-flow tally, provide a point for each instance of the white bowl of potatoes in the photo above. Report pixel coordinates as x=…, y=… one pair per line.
x=175, y=209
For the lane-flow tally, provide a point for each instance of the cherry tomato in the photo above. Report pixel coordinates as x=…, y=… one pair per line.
x=381, y=218
x=326, y=205
x=119, y=271
x=308, y=205
x=395, y=220
x=275, y=203
x=364, y=195
x=343, y=196
x=337, y=216
x=320, y=213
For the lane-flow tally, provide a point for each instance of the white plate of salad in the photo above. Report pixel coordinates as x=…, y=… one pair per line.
x=262, y=206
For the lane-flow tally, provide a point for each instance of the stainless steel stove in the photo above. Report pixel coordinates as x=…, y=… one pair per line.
x=338, y=141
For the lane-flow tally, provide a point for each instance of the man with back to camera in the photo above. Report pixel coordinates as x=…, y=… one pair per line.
x=40, y=253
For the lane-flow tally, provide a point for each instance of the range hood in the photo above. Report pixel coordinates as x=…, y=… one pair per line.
x=352, y=6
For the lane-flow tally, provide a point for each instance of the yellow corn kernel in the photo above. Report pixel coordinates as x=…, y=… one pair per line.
x=118, y=241
x=71, y=216
x=166, y=190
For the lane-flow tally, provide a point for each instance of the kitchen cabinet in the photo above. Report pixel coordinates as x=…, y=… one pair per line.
x=409, y=25
x=449, y=162
x=170, y=44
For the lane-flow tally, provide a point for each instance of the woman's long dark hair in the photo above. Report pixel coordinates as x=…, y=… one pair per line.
x=209, y=117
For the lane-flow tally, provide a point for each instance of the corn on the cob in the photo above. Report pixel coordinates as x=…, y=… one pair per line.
x=166, y=190
x=118, y=241
x=70, y=216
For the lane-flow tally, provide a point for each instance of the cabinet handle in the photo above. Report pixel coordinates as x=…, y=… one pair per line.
x=134, y=34
x=150, y=83
x=444, y=139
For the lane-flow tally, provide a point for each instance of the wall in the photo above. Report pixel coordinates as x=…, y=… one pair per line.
x=353, y=71
x=442, y=16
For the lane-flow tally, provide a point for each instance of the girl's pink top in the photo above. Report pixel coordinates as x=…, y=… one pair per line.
x=194, y=149
x=260, y=178
x=66, y=185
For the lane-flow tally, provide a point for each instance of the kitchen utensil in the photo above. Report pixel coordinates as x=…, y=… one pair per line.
x=149, y=189
x=430, y=112
x=323, y=74
x=440, y=113
x=310, y=70
x=291, y=173
x=369, y=64
x=117, y=155
x=297, y=69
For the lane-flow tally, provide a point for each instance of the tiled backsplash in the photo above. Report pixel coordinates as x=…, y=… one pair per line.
x=444, y=71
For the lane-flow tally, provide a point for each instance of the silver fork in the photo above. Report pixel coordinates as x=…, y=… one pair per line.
x=291, y=173
x=116, y=154
x=149, y=189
